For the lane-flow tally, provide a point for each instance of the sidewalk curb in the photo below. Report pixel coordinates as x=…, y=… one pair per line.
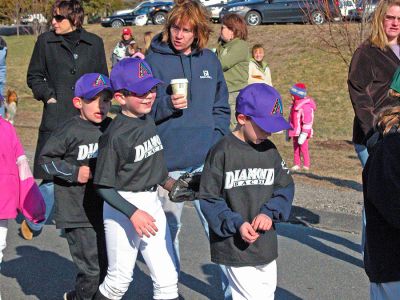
x=325, y=220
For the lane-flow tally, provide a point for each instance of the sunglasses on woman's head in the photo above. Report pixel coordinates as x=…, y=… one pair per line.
x=59, y=18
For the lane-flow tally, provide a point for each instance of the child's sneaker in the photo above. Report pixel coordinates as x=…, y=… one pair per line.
x=71, y=295
x=295, y=168
x=306, y=168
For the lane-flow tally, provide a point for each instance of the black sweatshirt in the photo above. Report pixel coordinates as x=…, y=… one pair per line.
x=240, y=181
x=381, y=185
x=71, y=146
x=130, y=159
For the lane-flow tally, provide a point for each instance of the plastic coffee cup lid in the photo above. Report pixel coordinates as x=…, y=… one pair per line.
x=179, y=80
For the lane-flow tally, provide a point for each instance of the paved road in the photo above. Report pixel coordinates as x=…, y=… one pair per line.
x=313, y=264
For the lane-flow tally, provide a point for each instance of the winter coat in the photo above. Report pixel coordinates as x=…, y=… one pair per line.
x=52, y=73
x=259, y=73
x=382, y=209
x=301, y=117
x=19, y=191
x=370, y=74
x=120, y=51
x=188, y=134
x=234, y=57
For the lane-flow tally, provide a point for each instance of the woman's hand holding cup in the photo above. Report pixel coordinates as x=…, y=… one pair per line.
x=179, y=101
x=179, y=93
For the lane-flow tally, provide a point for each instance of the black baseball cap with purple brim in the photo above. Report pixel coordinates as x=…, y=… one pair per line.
x=263, y=104
x=134, y=75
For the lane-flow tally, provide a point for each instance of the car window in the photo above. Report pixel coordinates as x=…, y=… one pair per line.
x=142, y=11
x=280, y=1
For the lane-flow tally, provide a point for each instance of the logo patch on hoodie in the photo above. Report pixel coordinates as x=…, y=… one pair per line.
x=205, y=75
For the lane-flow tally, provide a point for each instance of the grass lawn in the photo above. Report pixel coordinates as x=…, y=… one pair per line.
x=293, y=55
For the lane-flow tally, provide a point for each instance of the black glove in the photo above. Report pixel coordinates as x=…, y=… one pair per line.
x=185, y=188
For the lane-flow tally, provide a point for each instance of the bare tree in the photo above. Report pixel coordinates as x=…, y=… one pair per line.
x=340, y=35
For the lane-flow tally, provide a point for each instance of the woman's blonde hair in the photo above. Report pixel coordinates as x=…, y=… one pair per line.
x=378, y=36
x=195, y=15
x=387, y=118
x=147, y=37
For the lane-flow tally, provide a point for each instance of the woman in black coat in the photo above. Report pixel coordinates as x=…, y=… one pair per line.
x=59, y=58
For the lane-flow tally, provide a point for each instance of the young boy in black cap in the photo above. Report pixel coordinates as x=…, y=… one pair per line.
x=245, y=188
x=70, y=156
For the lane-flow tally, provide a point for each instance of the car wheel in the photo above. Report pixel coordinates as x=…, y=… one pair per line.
x=159, y=18
x=317, y=18
x=253, y=18
x=117, y=24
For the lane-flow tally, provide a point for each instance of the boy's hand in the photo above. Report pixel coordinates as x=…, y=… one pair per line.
x=84, y=174
x=179, y=101
x=248, y=233
x=261, y=223
x=143, y=223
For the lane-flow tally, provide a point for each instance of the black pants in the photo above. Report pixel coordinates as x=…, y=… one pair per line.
x=88, y=250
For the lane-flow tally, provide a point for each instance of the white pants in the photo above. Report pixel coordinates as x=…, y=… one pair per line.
x=123, y=244
x=3, y=237
x=253, y=283
x=385, y=291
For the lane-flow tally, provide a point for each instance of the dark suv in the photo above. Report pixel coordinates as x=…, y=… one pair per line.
x=256, y=12
x=156, y=11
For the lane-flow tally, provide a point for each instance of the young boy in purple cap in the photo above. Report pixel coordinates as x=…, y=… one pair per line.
x=246, y=188
x=70, y=156
x=129, y=168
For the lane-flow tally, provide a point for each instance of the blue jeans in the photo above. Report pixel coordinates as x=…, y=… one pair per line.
x=47, y=190
x=3, y=74
x=362, y=153
x=3, y=53
x=173, y=212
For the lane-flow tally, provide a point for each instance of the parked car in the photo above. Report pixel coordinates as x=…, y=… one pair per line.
x=156, y=11
x=345, y=7
x=364, y=9
x=33, y=18
x=257, y=12
x=213, y=2
x=23, y=29
x=158, y=14
x=214, y=11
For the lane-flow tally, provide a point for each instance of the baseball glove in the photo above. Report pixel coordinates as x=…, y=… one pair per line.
x=185, y=187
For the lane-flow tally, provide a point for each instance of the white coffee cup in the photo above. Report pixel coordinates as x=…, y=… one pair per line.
x=180, y=87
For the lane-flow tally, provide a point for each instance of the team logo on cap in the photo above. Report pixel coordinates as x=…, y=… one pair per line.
x=99, y=81
x=143, y=70
x=277, y=108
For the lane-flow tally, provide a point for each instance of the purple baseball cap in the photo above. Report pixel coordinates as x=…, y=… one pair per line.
x=90, y=84
x=263, y=104
x=134, y=75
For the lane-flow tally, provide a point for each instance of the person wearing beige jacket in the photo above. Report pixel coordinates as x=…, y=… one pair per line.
x=259, y=71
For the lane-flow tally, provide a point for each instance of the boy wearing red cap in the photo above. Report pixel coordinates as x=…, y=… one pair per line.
x=121, y=49
x=245, y=188
x=301, y=119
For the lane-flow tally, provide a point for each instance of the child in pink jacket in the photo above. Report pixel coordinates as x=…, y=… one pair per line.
x=301, y=119
x=18, y=189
